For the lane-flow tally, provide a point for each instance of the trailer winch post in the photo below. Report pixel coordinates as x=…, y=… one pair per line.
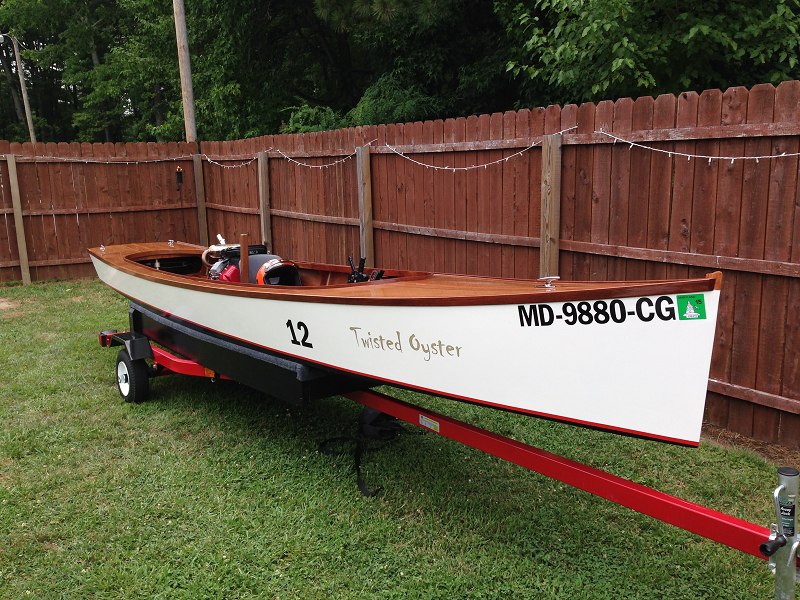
x=784, y=542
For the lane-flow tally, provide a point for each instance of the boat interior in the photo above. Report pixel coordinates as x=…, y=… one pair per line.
x=223, y=264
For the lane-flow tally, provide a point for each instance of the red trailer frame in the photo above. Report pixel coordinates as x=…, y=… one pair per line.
x=720, y=527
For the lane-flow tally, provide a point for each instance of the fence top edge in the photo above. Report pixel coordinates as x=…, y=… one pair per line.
x=597, y=137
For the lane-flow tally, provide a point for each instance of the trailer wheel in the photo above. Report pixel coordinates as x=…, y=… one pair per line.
x=132, y=380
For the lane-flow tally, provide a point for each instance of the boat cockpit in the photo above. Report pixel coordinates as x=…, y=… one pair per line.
x=222, y=263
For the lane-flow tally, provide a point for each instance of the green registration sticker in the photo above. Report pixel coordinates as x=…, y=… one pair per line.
x=691, y=307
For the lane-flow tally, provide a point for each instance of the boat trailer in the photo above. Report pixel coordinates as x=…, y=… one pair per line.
x=299, y=384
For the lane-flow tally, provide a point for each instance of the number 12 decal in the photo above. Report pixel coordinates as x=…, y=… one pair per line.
x=302, y=327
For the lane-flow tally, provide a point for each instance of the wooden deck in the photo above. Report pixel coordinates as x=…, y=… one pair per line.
x=403, y=288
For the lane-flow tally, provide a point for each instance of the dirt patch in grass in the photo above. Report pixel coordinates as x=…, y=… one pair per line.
x=774, y=453
x=6, y=308
x=7, y=305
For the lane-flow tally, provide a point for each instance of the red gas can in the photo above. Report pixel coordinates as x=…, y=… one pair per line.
x=230, y=274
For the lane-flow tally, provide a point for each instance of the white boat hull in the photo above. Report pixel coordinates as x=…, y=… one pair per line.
x=639, y=367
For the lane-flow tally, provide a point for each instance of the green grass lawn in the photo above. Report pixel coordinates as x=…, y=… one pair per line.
x=212, y=490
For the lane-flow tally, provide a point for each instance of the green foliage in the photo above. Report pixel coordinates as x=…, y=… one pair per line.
x=574, y=50
x=393, y=99
x=342, y=14
x=107, y=70
x=304, y=119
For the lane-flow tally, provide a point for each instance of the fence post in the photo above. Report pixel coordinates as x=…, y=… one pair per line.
x=200, y=190
x=16, y=204
x=365, y=205
x=263, y=200
x=550, y=205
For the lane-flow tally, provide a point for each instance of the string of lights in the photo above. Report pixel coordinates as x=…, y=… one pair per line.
x=696, y=156
x=325, y=166
x=483, y=166
x=219, y=164
x=250, y=159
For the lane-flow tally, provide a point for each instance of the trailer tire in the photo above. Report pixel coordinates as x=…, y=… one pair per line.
x=132, y=378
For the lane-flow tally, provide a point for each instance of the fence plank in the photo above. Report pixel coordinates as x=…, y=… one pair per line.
x=333, y=203
x=584, y=193
x=425, y=201
x=447, y=206
x=460, y=196
x=49, y=240
x=601, y=190
x=664, y=115
x=437, y=204
x=522, y=196
x=473, y=207
x=709, y=113
x=639, y=194
x=61, y=248
x=310, y=190
x=507, y=199
x=386, y=246
x=312, y=232
x=263, y=200
x=404, y=178
x=69, y=201
x=569, y=118
x=156, y=178
x=495, y=178
x=483, y=195
x=681, y=217
x=328, y=201
x=121, y=196
x=620, y=187
x=147, y=222
x=399, y=193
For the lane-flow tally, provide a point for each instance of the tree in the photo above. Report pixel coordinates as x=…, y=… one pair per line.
x=575, y=50
x=425, y=59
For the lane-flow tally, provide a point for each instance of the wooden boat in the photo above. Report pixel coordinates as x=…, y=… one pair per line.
x=626, y=357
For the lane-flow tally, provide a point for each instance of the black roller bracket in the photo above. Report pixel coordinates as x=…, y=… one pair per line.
x=137, y=345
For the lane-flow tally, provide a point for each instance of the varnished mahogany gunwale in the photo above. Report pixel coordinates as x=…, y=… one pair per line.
x=400, y=288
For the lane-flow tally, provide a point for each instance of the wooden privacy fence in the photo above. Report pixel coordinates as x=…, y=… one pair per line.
x=646, y=189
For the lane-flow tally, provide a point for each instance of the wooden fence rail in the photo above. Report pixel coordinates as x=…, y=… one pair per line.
x=612, y=195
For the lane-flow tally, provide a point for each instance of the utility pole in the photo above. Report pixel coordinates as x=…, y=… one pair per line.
x=20, y=72
x=186, y=70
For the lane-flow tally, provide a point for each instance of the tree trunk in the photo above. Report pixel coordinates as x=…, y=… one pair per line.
x=96, y=62
x=12, y=86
